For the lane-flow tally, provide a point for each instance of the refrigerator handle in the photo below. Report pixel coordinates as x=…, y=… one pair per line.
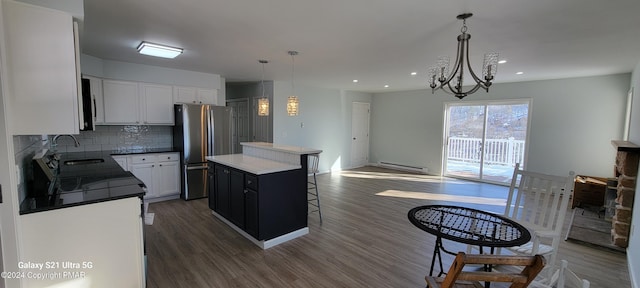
x=196, y=167
x=210, y=132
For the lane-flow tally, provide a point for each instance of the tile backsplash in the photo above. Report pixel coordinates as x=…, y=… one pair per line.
x=25, y=147
x=126, y=137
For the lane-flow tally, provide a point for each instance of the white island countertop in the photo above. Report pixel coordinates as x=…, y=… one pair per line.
x=252, y=164
x=282, y=148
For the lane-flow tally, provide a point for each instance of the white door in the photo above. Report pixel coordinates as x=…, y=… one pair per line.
x=360, y=134
x=261, y=124
x=240, y=123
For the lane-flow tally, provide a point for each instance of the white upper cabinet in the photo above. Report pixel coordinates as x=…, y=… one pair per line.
x=136, y=103
x=43, y=78
x=192, y=95
x=207, y=96
x=157, y=104
x=120, y=102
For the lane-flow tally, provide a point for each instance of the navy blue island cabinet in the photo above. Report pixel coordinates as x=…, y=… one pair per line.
x=263, y=199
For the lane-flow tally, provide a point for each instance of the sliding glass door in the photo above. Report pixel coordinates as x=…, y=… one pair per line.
x=484, y=140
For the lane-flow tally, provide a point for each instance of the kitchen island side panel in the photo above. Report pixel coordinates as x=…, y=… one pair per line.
x=282, y=203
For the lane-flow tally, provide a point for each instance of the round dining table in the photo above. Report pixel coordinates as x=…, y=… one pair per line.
x=467, y=226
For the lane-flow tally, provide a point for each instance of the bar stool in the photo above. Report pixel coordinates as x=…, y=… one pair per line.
x=313, y=198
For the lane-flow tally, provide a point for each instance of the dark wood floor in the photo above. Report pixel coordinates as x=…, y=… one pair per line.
x=364, y=241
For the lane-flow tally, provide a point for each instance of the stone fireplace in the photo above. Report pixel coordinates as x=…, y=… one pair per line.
x=626, y=171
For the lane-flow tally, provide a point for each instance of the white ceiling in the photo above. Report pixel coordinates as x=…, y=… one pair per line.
x=377, y=42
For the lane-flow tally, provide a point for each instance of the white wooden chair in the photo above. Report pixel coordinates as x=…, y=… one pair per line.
x=568, y=279
x=539, y=202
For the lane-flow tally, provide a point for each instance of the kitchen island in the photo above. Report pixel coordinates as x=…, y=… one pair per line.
x=261, y=193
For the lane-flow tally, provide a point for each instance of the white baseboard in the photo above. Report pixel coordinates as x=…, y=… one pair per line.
x=264, y=244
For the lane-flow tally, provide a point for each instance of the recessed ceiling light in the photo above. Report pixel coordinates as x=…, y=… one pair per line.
x=157, y=50
x=414, y=73
x=519, y=73
x=502, y=61
x=386, y=86
x=355, y=80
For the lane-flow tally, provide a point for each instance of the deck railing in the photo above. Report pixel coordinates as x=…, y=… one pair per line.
x=496, y=151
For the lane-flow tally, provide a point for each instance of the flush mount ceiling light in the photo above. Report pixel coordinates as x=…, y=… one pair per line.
x=263, y=103
x=441, y=71
x=158, y=50
x=293, y=103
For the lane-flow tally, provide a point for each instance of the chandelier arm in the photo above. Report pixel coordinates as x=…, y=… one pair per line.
x=456, y=64
x=473, y=74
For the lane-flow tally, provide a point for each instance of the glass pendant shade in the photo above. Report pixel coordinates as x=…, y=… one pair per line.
x=292, y=106
x=490, y=66
x=263, y=102
x=263, y=107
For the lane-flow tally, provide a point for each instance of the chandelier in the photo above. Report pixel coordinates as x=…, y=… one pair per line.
x=439, y=77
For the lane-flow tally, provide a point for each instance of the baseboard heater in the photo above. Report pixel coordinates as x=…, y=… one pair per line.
x=409, y=168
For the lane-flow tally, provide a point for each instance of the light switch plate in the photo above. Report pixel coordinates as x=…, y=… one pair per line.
x=18, y=174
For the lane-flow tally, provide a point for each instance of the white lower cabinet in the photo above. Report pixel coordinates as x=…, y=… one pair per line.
x=85, y=246
x=159, y=172
x=169, y=182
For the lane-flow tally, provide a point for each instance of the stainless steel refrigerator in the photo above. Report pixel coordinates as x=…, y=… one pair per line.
x=200, y=131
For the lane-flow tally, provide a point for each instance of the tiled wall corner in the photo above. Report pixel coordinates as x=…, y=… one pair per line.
x=25, y=147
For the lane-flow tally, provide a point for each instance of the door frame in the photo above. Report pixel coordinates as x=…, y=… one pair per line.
x=367, y=121
x=445, y=132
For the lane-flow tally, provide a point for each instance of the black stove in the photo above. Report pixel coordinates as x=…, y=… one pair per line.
x=45, y=170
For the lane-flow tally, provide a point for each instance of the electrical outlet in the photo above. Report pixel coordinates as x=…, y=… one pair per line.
x=301, y=124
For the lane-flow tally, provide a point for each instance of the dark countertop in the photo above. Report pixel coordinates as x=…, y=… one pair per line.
x=90, y=183
x=131, y=151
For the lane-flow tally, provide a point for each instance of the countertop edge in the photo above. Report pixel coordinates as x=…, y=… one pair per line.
x=45, y=209
x=237, y=161
x=282, y=148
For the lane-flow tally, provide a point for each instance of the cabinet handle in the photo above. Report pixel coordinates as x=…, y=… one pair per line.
x=160, y=165
x=144, y=159
x=245, y=191
x=248, y=181
x=169, y=157
x=153, y=165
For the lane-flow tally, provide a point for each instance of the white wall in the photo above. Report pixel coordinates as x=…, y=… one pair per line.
x=572, y=123
x=9, y=222
x=633, y=252
x=144, y=73
x=324, y=122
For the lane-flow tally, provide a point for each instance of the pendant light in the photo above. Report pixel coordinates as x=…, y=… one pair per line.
x=293, y=103
x=263, y=103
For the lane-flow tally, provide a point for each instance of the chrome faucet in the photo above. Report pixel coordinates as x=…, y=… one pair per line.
x=54, y=142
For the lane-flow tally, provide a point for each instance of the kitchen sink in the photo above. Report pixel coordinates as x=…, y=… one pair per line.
x=83, y=161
